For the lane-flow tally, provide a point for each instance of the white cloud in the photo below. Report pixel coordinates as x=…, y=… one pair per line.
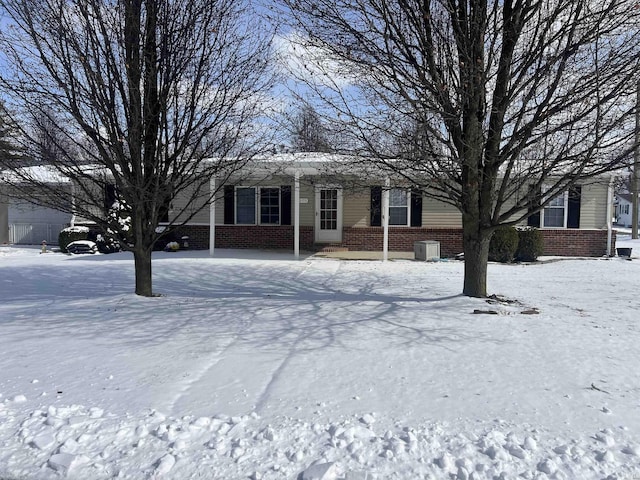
x=309, y=64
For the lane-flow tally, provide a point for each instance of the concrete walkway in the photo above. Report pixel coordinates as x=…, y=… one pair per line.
x=362, y=255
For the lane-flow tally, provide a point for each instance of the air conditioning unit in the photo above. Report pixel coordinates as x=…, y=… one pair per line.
x=426, y=250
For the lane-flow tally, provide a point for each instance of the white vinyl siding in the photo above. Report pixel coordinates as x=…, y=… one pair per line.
x=356, y=208
x=437, y=214
x=593, y=205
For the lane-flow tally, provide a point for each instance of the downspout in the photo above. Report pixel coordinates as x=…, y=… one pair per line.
x=609, y=214
x=385, y=220
x=296, y=215
x=212, y=216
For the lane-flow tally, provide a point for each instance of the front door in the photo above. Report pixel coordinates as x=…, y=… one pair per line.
x=328, y=215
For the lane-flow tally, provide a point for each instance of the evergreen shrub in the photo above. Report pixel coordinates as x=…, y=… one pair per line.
x=503, y=245
x=71, y=234
x=530, y=245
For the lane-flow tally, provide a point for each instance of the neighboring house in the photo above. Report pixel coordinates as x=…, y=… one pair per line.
x=624, y=209
x=261, y=211
x=4, y=219
x=30, y=224
x=25, y=223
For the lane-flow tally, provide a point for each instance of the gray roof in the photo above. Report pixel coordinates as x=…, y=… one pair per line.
x=625, y=196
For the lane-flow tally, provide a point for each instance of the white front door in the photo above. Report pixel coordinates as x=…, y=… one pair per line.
x=328, y=215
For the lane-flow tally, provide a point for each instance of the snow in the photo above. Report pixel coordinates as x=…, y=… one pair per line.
x=37, y=173
x=254, y=365
x=76, y=229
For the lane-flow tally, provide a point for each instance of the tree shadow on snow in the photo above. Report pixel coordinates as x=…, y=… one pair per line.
x=267, y=305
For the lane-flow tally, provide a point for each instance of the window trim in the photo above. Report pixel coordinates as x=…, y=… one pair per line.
x=257, y=195
x=565, y=207
x=259, y=204
x=235, y=204
x=407, y=207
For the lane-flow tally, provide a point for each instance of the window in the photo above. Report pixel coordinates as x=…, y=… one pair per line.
x=405, y=207
x=265, y=200
x=562, y=211
x=398, y=207
x=328, y=209
x=245, y=205
x=554, y=214
x=270, y=206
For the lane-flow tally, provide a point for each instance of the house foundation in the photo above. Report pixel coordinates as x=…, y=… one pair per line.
x=561, y=242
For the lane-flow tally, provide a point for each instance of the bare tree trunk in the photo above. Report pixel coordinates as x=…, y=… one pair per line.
x=142, y=259
x=476, y=256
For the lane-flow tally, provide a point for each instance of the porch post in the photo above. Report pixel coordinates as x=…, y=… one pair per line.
x=72, y=221
x=385, y=220
x=610, y=214
x=212, y=216
x=4, y=219
x=296, y=214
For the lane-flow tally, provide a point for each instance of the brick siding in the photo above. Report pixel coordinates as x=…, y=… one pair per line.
x=402, y=239
x=566, y=242
x=577, y=243
x=248, y=236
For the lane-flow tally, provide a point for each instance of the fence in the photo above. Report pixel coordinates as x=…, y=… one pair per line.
x=34, y=233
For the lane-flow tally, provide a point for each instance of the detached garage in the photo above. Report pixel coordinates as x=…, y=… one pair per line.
x=25, y=223
x=31, y=224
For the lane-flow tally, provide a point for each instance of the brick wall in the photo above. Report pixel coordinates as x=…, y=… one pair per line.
x=401, y=239
x=248, y=236
x=566, y=242
x=577, y=243
x=198, y=236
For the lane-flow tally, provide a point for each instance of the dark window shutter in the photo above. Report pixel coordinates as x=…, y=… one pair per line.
x=229, y=208
x=416, y=208
x=110, y=196
x=534, y=219
x=573, y=216
x=376, y=206
x=163, y=212
x=285, y=201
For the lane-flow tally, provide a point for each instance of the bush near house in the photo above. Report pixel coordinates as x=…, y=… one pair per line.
x=503, y=246
x=105, y=243
x=165, y=239
x=530, y=245
x=71, y=234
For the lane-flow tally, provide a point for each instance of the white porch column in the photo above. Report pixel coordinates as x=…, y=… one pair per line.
x=296, y=214
x=212, y=216
x=610, y=214
x=4, y=219
x=72, y=221
x=385, y=220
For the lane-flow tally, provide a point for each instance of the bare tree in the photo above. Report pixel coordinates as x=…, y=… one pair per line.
x=507, y=96
x=308, y=131
x=151, y=99
x=10, y=152
x=49, y=145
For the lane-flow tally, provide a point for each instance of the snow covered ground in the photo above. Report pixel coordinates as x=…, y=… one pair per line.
x=255, y=366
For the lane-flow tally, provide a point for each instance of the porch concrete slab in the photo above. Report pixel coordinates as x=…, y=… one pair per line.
x=362, y=255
